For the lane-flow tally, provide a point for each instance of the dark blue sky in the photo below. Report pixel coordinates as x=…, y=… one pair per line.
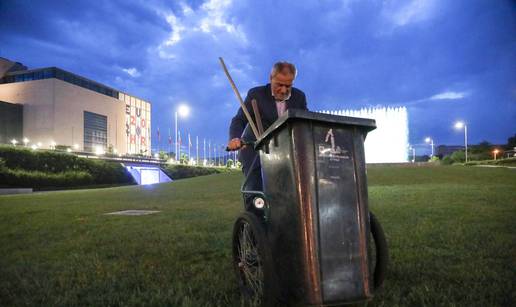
x=444, y=60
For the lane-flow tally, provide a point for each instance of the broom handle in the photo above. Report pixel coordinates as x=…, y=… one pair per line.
x=247, y=115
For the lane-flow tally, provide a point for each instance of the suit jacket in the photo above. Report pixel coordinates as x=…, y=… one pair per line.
x=269, y=114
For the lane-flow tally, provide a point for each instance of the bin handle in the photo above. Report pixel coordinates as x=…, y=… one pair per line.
x=382, y=253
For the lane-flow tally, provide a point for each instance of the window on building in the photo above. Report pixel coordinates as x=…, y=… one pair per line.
x=95, y=132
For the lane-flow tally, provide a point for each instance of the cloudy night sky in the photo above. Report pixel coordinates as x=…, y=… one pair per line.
x=443, y=60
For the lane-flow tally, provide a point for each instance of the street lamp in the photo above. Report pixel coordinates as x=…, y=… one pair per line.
x=413, y=153
x=25, y=141
x=183, y=111
x=53, y=145
x=431, y=142
x=496, y=151
x=459, y=125
x=14, y=142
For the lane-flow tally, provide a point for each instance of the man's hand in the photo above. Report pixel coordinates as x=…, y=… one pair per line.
x=234, y=144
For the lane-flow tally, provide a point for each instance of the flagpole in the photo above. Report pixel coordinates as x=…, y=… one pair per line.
x=209, y=152
x=158, y=141
x=189, y=143
x=179, y=145
x=204, y=151
x=175, y=145
x=197, y=149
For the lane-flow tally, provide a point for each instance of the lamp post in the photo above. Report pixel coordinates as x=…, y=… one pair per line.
x=14, y=142
x=496, y=151
x=413, y=150
x=460, y=125
x=431, y=142
x=183, y=111
x=26, y=141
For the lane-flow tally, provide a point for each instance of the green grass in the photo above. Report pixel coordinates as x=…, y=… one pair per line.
x=451, y=232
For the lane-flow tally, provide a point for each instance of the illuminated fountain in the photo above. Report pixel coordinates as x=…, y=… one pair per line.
x=388, y=143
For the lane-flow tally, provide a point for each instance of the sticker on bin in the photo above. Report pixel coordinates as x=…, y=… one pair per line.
x=331, y=150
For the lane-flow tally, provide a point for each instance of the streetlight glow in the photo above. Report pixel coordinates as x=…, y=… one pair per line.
x=99, y=151
x=14, y=142
x=26, y=141
x=430, y=141
x=460, y=125
x=183, y=110
x=495, y=152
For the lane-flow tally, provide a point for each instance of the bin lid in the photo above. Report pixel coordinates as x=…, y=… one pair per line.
x=298, y=114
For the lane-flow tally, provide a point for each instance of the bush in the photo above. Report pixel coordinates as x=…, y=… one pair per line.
x=506, y=161
x=447, y=160
x=58, y=163
x=37, y=179
x=183, y=171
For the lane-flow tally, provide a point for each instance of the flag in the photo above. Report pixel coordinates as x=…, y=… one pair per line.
x=189, y=140
x=169, y=137
x=159, y=139
x=179, y=138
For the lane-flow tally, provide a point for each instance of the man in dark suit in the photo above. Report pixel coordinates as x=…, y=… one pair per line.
x=273, y=100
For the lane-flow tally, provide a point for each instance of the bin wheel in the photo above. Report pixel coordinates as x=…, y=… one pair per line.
x=252, y=261
x=382, y=253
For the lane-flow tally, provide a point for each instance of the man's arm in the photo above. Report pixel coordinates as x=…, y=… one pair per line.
x=239, y=122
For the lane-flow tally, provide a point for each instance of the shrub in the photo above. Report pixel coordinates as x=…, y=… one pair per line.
x=183, y=171
x=37, y=179
x=447, y=160
x=57, y=163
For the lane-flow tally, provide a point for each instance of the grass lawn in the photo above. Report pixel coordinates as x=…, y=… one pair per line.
x=451, y=233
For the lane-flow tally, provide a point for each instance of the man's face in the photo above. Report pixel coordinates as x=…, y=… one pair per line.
x=282, y=85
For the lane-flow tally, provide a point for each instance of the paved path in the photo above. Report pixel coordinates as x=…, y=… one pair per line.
x=513, y=167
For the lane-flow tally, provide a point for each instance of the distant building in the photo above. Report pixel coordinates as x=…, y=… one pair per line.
x=61, y=108
x=388, y=143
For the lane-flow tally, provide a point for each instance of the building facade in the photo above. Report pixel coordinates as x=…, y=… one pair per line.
x=62, y=108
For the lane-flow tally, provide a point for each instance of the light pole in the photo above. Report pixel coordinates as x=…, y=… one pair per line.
x=14, y=142
x=496, y=151
x=26, y=141
x=431, y=142
x=183, y=111
x=411, y=148
x=460, y=125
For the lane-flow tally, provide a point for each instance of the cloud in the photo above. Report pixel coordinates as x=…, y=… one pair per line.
x=133, y=72
x=449, y=95
x=209, y=21
x=407, y=13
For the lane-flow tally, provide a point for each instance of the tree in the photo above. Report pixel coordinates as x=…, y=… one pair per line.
x=511, y=142
x=458, y=156
x=229, y=163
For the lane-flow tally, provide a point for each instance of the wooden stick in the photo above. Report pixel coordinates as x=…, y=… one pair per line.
x=247, y=115
x=257, y=116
